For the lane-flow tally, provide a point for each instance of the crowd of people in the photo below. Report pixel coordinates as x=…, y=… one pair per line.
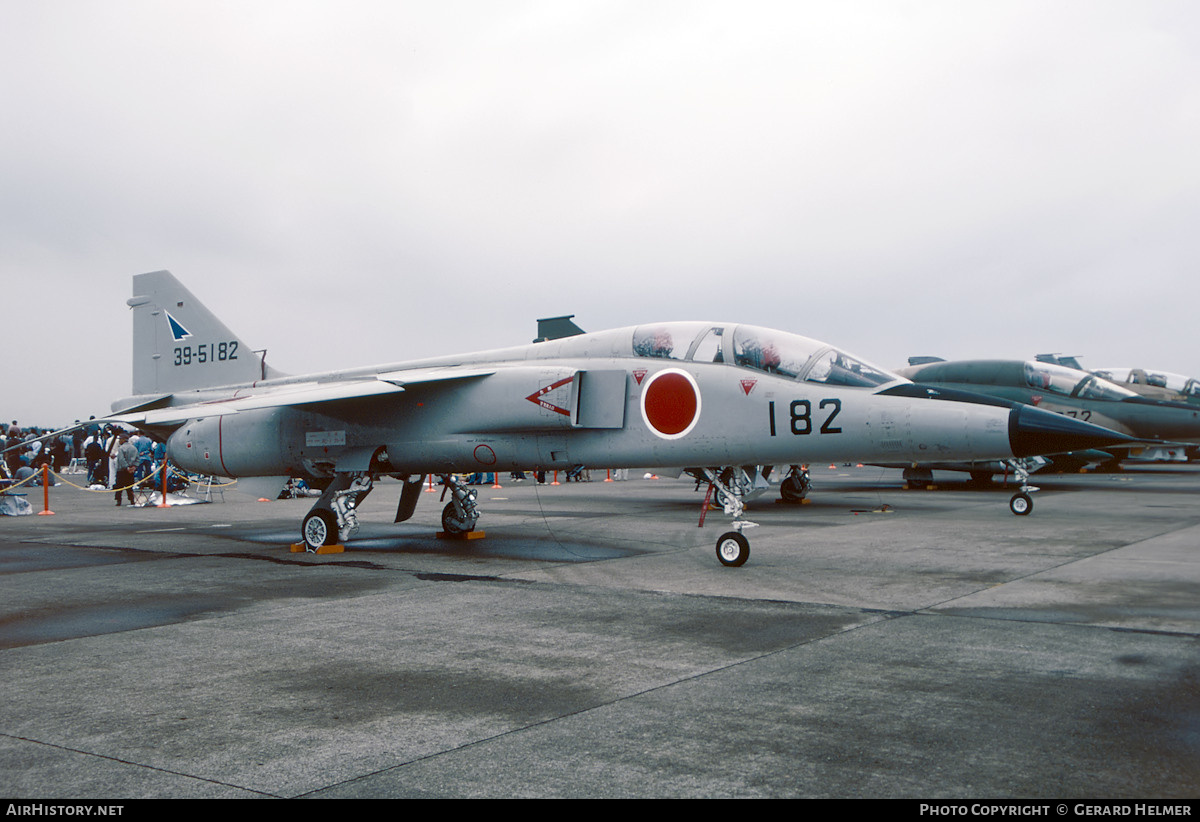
x=118, y=459
x=114, y=457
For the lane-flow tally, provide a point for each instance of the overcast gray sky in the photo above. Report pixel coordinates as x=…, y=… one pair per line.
x=364, y=181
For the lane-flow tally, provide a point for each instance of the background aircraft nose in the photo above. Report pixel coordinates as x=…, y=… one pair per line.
x=1032, y=431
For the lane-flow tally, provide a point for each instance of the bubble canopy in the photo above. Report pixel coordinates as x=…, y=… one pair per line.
x=1072, y=383
x=1179, y=383
x=760, y=349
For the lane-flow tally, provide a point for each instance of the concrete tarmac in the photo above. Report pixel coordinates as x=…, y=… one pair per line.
x=880, y=642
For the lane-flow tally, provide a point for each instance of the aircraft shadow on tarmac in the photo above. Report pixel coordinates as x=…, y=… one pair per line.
x=385, y=539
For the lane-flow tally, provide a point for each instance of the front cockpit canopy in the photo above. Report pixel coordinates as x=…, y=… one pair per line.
x=759, y=349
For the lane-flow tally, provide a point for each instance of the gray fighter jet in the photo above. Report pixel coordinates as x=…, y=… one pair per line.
x=1068, y=391
x=717, y=395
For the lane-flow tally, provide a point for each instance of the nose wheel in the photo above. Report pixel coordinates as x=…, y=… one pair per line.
x=1020, y=504
x=730, y=484
x=733, y=549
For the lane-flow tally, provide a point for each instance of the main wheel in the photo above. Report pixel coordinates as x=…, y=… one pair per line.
x=916, y=478
x=793, y=489
x=733, y=549
x=1020, y=504
x=319, y=529
x=450, y=521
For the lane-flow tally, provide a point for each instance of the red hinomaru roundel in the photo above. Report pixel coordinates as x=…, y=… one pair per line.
x=671, y=403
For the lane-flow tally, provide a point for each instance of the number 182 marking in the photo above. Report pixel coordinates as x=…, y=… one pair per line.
x=800, y=416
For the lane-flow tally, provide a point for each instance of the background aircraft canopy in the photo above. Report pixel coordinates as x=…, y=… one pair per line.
x=1071, y=383
x=1160, y=379
x=762, y=349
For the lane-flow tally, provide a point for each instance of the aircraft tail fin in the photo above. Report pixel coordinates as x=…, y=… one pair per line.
x=179, y=345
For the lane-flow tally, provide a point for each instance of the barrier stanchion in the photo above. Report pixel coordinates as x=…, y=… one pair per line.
x=165, y=471
x=708, y=495
x=45, y=512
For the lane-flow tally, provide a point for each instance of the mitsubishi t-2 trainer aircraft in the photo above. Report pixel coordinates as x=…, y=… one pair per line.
x=1155, y=385
x=714, y=395
x=1069, y=391
x=1164, y=386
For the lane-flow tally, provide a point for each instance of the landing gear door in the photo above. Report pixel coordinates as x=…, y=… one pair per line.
x=599, y=399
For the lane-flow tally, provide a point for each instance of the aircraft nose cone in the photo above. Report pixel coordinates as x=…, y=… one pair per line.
x=1032, y=431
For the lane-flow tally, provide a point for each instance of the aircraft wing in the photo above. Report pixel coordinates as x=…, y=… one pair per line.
x=289, y=394
x=52, y=435
x=415, y=376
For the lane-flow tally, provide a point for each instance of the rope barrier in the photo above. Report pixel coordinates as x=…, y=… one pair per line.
x=16, y=484
x=174, y=472
x=207, y=484
x=147, y=483
x=106, y=490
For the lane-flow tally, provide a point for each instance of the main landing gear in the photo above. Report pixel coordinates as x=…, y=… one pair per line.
x=461, y=513
x=334, y=517
x=795, y=486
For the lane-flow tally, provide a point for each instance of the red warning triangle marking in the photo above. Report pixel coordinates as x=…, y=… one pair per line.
x=536, y=396
x=748, y=386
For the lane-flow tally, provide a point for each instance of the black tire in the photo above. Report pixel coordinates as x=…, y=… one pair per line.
x=733, y=549
x=319, y=529
x=448, y=521
x=792, y=490
x=1020, y=504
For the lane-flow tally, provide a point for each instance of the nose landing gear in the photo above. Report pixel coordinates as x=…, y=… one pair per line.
x=731, y=484
x=1021, y=503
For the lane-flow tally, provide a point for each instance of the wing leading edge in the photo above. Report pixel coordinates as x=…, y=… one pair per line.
x=296, y=394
